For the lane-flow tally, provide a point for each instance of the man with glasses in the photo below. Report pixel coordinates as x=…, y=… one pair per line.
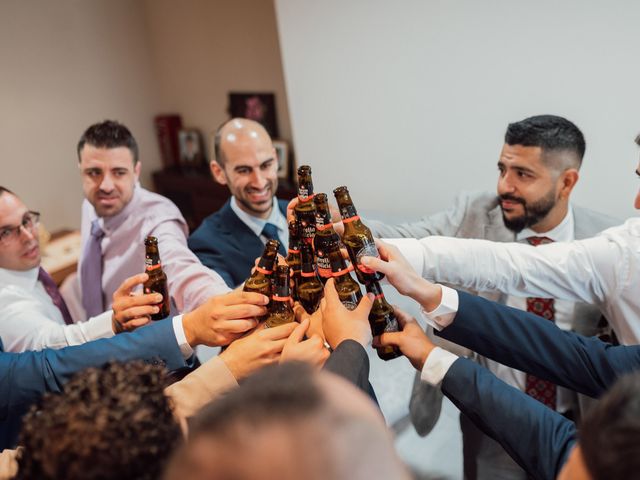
x=33, y=314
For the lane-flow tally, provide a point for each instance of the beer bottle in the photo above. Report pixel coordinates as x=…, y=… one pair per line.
x=357, y=237
x=305, y=210
x=157, y=282
x=310, y=288
x=382, y=319
x=260, y=279
x=293, y=258
x=280, y=310
x=347, y=288
x=325, y=235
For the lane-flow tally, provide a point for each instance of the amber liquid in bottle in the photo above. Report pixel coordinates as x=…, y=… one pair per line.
x=294, y=259
x=157, y=282
x=260, y=279
x=310, y=289
x=357, y=237
x=305, y=210
x=348, y=289
x=325, y=235
x=280, y=310
x=382, y=319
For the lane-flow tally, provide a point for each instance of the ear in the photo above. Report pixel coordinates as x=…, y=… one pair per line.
x=568, y=180
x=136, y=170
x=218, y=172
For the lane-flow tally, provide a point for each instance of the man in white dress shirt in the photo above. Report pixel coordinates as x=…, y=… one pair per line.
x=118, y=214
x=33, y=314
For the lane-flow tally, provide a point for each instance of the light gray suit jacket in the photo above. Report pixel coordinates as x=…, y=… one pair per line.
x=478, y=215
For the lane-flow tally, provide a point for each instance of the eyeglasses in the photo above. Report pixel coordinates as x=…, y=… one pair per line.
x=12, y=234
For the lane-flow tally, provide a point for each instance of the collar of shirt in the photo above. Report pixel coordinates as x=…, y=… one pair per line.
x=109, y=224
x=563, y=232
x=24, y=279
x=257, y=224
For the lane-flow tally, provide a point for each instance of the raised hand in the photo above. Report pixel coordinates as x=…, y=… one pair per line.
x=311, y=350
x=340, y=324
x=130, y=310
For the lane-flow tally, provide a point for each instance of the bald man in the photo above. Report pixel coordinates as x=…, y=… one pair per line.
x=230, y=240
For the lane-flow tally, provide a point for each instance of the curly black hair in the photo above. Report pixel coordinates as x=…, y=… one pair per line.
x=113, y=422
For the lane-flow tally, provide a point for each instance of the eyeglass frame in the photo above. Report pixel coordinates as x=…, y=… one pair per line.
x=13, y=233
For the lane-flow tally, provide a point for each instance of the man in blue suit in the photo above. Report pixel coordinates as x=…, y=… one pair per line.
x=24, y=377
x=231, y=239
x=527, y=342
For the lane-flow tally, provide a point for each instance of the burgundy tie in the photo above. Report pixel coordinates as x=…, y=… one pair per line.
x=52, y=289
x=542, y=390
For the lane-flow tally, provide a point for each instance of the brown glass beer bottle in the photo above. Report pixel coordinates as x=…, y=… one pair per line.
x=294, y=260
x=325, y=235
x=382, y=319
x=357, y=237
x=280, y=310
x=305, y=210
x=260, y=279
x=310, y=288
x=347, y=288
x=157, y=282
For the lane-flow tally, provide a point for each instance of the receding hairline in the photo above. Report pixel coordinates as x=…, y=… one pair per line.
x=243, y=127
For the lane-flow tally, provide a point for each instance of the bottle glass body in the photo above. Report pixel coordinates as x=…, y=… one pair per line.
x=382, y=319
x=157, y=282
x=348, y=289
x=357, y=237
x=260, y=279
x=305, y=210
x=294, y=259
x=325, y=236
x=310, y=288
x=280, y=310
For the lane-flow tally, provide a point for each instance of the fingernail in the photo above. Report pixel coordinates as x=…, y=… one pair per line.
x=156, y=309
x=371, y=296
x=158, y=297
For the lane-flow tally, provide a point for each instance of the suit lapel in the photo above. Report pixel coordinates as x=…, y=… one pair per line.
x=244, y=238
x=495, y=230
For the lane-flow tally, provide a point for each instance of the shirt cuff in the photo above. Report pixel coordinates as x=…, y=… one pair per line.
x=437, y=365
x=178, y=329
x=444, y=313
x=412, y=250
x=99, y=326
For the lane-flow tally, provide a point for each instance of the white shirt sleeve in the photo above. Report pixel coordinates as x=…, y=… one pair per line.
x=583, y=270
x=181, y=338
x=437, y=365
x=190, y=282
x=25, y=324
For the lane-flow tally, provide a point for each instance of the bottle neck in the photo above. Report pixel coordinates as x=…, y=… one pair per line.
x=152, y=260
x=305, y=192
x=323, y=220
x=348, y=212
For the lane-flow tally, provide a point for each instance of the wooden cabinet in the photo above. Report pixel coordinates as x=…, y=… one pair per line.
x=198, y=195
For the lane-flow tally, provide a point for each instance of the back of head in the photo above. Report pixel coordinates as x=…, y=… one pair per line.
x=560, y=140
x=281, y=425
x=610, y=433
x=109, y=134
x=110, y=423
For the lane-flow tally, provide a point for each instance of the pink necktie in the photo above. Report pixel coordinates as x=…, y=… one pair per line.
x=52, y=290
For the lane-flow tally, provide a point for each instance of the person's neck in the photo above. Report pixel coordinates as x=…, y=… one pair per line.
x=553, y=218
x=253, y=213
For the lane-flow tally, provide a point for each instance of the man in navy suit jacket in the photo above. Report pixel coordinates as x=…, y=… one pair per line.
x=231, y=239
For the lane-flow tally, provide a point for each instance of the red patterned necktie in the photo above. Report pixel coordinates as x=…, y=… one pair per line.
x=52, y=290
x=542, y=390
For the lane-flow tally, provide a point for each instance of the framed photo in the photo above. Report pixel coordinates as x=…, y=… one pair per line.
x=282, y=151
x=260, y=107
x=191, y=148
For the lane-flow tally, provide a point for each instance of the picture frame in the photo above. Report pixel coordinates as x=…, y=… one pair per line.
x=191, y=148
x=258, y=106
x=282, y=152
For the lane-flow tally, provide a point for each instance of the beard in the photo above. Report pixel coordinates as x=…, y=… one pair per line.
x=534, y=212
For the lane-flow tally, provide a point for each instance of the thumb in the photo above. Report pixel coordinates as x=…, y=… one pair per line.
x=298, y=333
x=364, y=307
x=390, y=339
x=376, y=264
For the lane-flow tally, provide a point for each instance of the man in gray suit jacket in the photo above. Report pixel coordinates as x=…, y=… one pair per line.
x=538, y=168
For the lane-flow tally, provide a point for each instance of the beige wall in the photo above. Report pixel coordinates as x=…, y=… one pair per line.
x=65, y=65
x=203, y=49
x=69, y=63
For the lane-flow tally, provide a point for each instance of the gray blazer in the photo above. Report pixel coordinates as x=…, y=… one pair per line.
x=478, y=215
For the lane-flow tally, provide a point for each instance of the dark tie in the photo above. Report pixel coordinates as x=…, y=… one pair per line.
x=271, y=232
x=91, y=273
x=542, y=390
x=52, y=290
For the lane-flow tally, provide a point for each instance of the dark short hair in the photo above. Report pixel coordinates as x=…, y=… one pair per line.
x=113, y=422
x=6, y=190
x=218, y=156
x=551, y=133
x=609, y=435
x=637, y=140
x=109, y=134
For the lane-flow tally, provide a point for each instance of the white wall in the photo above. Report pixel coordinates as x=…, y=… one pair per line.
x=411, y=98
x=63, y=66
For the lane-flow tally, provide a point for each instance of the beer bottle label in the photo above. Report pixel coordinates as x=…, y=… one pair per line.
x=348, y=211
x=303, y=194
x=276, y=298
x=368, y=250
x=149, y=266
x=324, y=265
x=392, y=326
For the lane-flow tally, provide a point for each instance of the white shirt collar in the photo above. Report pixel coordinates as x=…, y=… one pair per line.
x=257, y=224
x=26, y=279
x=563, y=232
